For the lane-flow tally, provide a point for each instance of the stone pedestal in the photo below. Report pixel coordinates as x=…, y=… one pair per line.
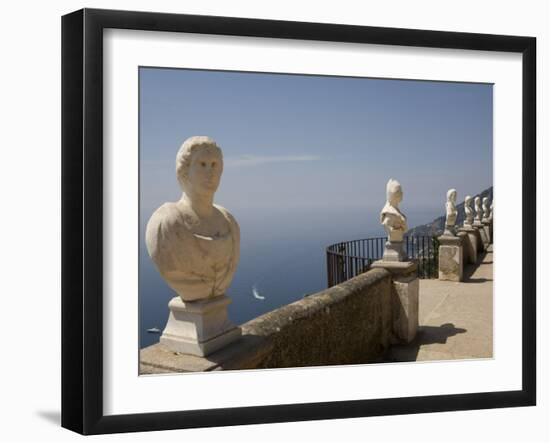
x=199, y=327
x=451, y=261
x=470, y=243
x=482, y=233
x=394, y=251
x=478, y=226
x=488, y=231
x=404, y=298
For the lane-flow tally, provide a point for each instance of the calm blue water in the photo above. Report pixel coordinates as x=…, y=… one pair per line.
x=282, y=256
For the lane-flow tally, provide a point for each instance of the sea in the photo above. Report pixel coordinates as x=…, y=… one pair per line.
x=282, y=259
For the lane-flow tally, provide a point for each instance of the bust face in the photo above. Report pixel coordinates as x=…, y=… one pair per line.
x=452, y=197
x=205, y=171
x=396, y=196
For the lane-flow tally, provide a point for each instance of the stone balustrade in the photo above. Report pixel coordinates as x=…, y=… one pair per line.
x=351, y=323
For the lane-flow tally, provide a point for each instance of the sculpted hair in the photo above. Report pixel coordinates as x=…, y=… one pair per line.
x=449, y=193
x=185, y=155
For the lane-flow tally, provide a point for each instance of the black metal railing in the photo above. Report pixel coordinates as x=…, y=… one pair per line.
x=348, y=259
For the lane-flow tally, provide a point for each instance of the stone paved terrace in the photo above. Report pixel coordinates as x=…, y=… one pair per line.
x=456, y=319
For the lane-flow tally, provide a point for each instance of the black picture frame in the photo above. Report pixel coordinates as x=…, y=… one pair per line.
x=82, y=220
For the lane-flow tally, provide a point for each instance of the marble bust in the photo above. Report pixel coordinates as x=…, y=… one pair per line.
x=451, y=212
x=468, y=212
x=486, y=210
x=193, y=242
x=394, y=222
x=478, y=209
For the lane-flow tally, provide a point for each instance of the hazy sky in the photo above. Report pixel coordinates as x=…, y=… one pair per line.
x=293, y=141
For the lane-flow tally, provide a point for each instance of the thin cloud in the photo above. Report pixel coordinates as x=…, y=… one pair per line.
x=253, y=160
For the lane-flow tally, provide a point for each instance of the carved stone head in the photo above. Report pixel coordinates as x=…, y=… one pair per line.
x=199, y=165
x=451, y=196
x=394, y=192
x=486, y=209
x=478, y=209
x=469, y=213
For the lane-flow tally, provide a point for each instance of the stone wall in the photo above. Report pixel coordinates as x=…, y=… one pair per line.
x=350, y=323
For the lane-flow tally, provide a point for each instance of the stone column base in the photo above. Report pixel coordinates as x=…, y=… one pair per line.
x=451, y=265
x=404, y=297
x=394, y=251
x=470, y=243
x=488, y=233
x=482, y=238
x=199, y=327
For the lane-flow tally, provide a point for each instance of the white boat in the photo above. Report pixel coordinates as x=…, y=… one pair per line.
x=256, y=294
